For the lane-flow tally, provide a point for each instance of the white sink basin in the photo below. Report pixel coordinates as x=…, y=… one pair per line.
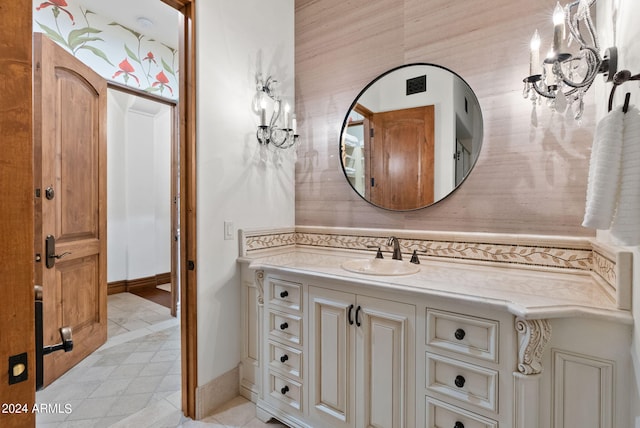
x=380, y=267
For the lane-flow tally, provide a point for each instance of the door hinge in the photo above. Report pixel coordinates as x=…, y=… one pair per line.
x=37, y=193
x=373, y=182
x=371, y=132
x=191, y=265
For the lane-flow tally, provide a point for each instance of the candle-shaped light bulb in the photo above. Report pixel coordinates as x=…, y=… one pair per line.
x=287, y=109
x=294, y=125
x=558, y=27
x=534, y=60
x=263, y=115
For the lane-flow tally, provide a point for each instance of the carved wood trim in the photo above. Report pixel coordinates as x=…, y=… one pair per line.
x=260, y=286
x=533, y=336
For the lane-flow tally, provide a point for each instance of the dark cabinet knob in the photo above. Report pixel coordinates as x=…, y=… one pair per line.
x=284, y=326
x=460, y=380
x=458, y=425
x=284, y=389
x=284, y=294
x=284, y=358
x=460, y=334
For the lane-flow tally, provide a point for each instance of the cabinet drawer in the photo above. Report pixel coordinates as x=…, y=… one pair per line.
x=285, y=391
x=285, y=326
x=443, y=415
x=285, y=359
x=466, y=382
x=463, y=334
x=286, y=294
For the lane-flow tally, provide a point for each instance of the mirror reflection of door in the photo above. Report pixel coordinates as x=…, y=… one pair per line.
x=401, y=158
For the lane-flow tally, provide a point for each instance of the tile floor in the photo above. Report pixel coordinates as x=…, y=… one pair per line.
x=133, y=380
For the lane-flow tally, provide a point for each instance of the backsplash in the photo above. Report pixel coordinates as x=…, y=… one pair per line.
x=531, y=251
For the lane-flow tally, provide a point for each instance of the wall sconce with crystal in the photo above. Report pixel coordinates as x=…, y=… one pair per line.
x=563, y=78
x=280, y=129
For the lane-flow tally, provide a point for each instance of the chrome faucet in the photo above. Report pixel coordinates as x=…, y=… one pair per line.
x=397, y=254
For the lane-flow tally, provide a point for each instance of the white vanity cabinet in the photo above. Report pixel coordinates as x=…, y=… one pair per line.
x=322, y=349
x=361, y=360
x=469, y=358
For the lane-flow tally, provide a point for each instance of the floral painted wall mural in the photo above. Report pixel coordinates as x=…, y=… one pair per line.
x=114, y=51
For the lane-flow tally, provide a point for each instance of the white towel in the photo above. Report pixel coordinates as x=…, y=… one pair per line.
x=604, y=171
x=625, y=228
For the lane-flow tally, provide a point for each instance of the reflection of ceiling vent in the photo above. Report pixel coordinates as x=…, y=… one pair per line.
x=417, y=85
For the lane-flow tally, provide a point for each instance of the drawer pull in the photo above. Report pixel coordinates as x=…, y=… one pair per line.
x=458, y=425
x=284, y=294
x=284, y=326
x=284, y=390
x=460, y=334
x=284, y=358
x=459, y=381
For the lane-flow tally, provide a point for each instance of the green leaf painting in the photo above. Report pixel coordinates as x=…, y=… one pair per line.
x=142, y=62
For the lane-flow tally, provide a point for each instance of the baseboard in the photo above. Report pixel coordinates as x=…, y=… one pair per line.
x=138, y=283
x=116, y=287
x=216, y=393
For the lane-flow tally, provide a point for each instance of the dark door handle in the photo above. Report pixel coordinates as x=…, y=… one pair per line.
x=41, y=350
x=284, y=294
x=284, y=358
x=349, y=315
x=284, y=326
x=358, y=323
x=50, y=248
x=459, y=381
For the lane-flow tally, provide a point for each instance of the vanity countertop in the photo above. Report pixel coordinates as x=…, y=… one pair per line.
x=524, y=292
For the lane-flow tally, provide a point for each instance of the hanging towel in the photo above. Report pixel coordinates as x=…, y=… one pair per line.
x=604, y=171
x=625, y=228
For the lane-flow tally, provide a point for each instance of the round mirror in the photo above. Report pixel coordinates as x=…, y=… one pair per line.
x=411, y=137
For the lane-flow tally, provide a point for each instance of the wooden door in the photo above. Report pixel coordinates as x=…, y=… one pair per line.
x=401, y=158
x=70, y=161
x=331, y=364
x=386, y=363
x=17, y=383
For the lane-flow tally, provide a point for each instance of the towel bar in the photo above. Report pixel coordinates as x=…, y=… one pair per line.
x=618, y=79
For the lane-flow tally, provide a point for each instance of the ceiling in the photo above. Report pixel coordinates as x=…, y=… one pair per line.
x=163, y=18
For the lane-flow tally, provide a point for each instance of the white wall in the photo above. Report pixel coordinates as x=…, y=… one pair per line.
x=138, y=187
x=617, y=25
x=233, y=41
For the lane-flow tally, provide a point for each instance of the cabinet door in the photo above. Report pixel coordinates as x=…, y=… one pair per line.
x=385, y=383
x=332, y=358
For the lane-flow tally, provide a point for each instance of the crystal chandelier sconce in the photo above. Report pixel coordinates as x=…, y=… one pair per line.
x=280, y=129
x=563, y=78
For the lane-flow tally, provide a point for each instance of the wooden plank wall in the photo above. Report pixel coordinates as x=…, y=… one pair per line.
x=527, y=179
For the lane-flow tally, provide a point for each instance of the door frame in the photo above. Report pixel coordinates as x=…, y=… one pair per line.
x=188, y=199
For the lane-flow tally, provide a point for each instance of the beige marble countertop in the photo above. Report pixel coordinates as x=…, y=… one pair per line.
x=523, y=291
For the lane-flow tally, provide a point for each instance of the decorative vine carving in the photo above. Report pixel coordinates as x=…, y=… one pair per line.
x=533, y=336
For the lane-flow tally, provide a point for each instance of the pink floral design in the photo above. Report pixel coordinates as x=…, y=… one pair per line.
x=58, y=5
x=162, y=82
x=127, y=70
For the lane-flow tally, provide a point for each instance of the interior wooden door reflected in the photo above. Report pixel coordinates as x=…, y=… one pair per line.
x=70, y=169
x=402, y=157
